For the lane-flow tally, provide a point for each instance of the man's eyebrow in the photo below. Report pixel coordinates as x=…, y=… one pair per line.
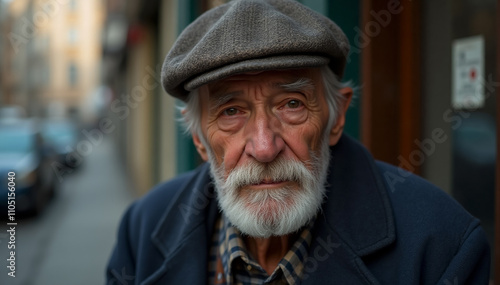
x=299, y=84
x=296, y=85
x=220, y=100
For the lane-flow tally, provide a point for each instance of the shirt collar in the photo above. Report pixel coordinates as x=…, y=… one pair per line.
x=235, y=257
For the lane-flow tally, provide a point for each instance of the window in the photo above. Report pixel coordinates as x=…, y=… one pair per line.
x=73, y=74
x=46, y=75
x=72, y=5
x=72, y=36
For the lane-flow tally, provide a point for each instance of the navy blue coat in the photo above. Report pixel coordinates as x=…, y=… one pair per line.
x=379, y=225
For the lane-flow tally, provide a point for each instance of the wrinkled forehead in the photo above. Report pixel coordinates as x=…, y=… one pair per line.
x=292, y=80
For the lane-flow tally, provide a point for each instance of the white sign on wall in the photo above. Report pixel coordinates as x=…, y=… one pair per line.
x=468, y=73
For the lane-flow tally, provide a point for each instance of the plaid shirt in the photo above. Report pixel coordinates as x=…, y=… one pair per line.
x=231, y=262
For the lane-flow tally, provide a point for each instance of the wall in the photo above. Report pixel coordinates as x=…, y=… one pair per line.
x=167, y=33
x=139, y=119
x=436, y=90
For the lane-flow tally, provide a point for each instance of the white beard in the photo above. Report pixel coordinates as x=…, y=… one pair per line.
x=272, y=212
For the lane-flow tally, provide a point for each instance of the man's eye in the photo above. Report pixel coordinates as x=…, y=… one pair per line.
x=230, y=111
x=293, y=104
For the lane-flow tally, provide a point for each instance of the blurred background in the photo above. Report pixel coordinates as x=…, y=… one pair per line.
x=87, y=128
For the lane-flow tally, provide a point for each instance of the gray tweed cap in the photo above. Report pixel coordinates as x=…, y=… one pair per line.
x=252, y=35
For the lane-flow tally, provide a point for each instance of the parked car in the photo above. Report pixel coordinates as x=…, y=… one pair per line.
x=23, y=152
x=12, y=112
x=63, y=136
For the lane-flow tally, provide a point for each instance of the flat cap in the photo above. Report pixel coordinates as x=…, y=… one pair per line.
x=252, y=35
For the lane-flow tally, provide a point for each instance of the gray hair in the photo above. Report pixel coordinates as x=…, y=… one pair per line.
x=192, y=108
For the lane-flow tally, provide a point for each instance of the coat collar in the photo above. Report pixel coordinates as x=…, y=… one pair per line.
x=356, y=214
x=358, y=207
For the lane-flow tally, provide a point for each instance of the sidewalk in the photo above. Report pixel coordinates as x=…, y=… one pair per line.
x=80, y=249
x=72, y=241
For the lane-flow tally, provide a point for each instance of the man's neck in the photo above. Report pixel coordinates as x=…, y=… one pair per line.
x=268, y=252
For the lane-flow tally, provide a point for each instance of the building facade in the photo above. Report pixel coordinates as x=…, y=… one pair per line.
x=51, y=52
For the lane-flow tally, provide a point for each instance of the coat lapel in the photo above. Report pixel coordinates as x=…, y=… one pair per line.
x=184, y=233
x=356, y=221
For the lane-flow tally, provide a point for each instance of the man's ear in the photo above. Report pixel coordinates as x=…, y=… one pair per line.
x=200, y=147
x=336, y=131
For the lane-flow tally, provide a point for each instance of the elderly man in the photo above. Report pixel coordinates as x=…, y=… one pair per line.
x=285, y=197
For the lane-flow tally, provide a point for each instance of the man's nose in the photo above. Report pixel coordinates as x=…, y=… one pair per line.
x=264, y=141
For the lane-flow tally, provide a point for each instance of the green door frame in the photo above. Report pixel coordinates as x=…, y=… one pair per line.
x=187, y=157
x=346, y=14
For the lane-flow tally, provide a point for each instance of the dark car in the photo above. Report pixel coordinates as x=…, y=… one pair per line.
x=25, y=162
x=63, y=136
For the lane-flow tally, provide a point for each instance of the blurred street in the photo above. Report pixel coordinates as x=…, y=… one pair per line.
x=71, y=241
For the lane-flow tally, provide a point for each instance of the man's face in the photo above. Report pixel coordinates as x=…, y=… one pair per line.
x=268, y=148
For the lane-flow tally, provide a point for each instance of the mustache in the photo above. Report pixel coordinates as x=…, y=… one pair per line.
x=276, y=171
